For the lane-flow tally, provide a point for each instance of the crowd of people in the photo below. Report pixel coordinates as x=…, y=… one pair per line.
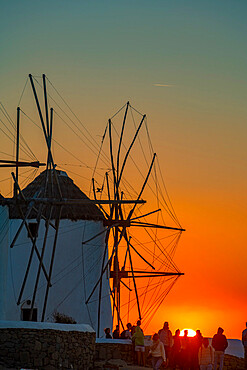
x=176, y=351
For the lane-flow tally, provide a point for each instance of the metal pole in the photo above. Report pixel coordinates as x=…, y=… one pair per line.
x=17, y=150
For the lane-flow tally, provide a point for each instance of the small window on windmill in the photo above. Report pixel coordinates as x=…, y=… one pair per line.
x=33, y=227
x=26, y=312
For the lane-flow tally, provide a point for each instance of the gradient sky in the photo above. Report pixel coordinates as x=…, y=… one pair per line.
x=183, y=63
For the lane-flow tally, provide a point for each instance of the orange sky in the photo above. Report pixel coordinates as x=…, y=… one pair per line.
x=99, y=57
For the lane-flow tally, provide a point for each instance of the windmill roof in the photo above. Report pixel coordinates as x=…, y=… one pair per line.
x=37, y=188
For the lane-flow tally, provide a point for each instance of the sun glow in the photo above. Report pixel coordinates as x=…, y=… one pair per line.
x=191, y=332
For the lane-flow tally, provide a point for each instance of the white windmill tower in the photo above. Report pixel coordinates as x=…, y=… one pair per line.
x=44, y=265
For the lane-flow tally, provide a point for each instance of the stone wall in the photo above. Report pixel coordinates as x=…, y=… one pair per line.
x=108, y=349
x=51, y=349
x=46, y=349
x=119, y=349
x=233, y=363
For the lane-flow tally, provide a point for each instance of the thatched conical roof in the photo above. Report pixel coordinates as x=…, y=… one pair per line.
x=69, y=191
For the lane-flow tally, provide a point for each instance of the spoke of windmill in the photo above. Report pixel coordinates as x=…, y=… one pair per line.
x=143, y=186
x=159, y=275
x=133, y=277
x=17, y=151
x=30, y=258
x=46, y=105
x=95, y=197
x=40, y=263
x=33, y=242
x=52, y=262
x=121, y=138
x=35, y=195
x=107, y=264
x=128, y=151
x=112, y=160
x=100, y=286
x=65, y=201
x=8, y=163
x=113, y=294
x=41, y=117
x=30, y=207
x=108, y=189
x=145, y=224
x=50, y=134
x=128, y=241
x=126, y=286
x=48, y=162
x=147, y=214
x=96, y=235
x=45, y=133
x=125, y=257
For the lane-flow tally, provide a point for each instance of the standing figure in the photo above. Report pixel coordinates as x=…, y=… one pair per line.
x=244, y=341
x=157, y=352
x=219, y=344
x=175, y=350
x=165, y=335
x=196, y=343
x=138, y=339
x=116, y=333
x=107, y=333
x=206, y=355
x=185, y=351
x=126, y=334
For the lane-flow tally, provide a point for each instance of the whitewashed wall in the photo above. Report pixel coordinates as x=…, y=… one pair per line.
x=76, y=269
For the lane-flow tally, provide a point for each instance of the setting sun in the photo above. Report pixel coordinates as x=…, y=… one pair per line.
x=191, y=332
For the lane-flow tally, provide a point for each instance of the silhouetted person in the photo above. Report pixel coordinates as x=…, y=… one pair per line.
x=157, y=352
x=107, y=333
x=116, y=333
x=165, y=335
x=244, y=341
x=138, y=339
x=219, y=344
x=196, y=343
x=175, y=350
x=206, y=355
x=126, y=334
x=133, y=330
x=185, y=351
x=133, y=344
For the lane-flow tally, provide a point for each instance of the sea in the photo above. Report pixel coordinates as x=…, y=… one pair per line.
x=235, y=348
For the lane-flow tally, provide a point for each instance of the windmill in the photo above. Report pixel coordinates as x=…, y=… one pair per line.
x=118, y=221
x=119, y=214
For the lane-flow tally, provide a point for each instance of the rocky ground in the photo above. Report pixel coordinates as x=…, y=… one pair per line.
x=230, y=363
